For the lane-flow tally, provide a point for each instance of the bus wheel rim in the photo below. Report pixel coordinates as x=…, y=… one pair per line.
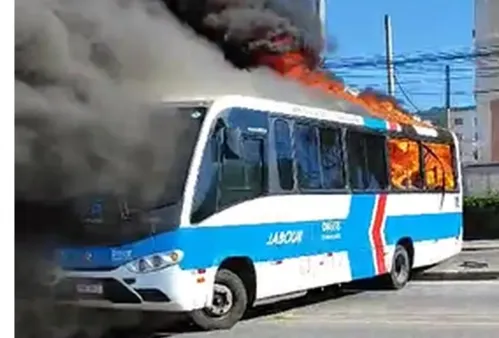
x=401, y=268
x=222, y=302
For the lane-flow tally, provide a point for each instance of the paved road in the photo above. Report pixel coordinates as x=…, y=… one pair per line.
x=478, y=264
x=423, y=309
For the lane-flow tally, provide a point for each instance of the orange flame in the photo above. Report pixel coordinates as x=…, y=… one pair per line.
x=404, y=154
x=294, y=65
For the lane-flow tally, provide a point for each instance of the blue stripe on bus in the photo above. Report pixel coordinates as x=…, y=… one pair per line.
x=374, y=123
x=209, y=246
x=422, y=227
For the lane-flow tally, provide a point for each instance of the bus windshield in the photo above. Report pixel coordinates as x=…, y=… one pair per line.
x=107, y=219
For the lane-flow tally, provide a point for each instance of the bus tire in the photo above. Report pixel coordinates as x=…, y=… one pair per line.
x=230, y=301
x=400, y=272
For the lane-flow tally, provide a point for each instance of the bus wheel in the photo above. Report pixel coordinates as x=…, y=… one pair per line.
x=401, y=269
x=229, y=304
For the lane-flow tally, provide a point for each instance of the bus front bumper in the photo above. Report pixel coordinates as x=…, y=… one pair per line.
x=170, y=290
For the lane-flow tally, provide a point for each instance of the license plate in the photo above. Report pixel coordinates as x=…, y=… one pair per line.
x=90, y=289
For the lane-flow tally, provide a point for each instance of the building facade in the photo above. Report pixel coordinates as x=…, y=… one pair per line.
x=464, y=122
x=486, y=39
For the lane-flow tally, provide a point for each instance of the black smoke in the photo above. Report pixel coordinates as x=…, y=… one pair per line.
x=244, y=28
x=87, y=73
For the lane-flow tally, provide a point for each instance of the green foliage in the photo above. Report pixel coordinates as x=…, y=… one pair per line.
x=482, y=202
x=481, y=217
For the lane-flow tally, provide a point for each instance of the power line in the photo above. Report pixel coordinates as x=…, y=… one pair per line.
x=422, y=72
x=402, y=90
x=416, y=58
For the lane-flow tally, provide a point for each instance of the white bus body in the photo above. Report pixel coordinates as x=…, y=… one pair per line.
x=261, y=224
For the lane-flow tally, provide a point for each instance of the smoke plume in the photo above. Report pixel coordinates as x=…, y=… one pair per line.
x=86, y=70
x=88, y=75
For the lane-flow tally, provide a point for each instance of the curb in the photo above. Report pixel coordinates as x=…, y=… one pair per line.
x=481, y=248
x=457, y=276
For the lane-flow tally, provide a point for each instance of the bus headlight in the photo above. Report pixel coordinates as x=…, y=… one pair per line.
x=155, y=262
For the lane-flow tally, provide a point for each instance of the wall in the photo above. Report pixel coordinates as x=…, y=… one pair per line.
x=494, y=111
x=480, y=179
x=464, y=122
x=487, y=77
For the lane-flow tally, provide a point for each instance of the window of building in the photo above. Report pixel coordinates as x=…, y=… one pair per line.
x=458, y=121
x=475, y=121
x=284, y=152
x=405, y=166
x=438, y=166
x=366, y=161
x=459, y=136
x=307, y=156
x=333, y=175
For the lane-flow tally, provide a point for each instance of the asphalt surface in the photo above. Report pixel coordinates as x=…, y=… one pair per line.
x=470, y=264
x=422, y=309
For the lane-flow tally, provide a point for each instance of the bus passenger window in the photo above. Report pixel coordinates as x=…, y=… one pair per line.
x=438, y=159
x=333, y=176
x=243, y=172
x=405, y=166
x=366, y=161
x=307, y=156
x=284, y=153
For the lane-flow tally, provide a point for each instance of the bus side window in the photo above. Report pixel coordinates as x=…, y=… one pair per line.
x=307, y=156
x=366, y=161
x=333, y=175
x=436, y=170
x=284, y=154
x=243, y=174
x=405, y=164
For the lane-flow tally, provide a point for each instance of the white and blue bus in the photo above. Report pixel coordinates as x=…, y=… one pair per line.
x=273, y=199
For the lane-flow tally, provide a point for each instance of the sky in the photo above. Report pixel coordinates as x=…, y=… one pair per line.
x=356, y=29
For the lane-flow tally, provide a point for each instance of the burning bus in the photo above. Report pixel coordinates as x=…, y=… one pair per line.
x=252, y=197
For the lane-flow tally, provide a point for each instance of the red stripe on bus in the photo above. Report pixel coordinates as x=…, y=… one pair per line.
x=377, y=234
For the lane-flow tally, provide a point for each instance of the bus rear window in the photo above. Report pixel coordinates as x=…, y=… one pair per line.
x=438, y=166
x=405, y=166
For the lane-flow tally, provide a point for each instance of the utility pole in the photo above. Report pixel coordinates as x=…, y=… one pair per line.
x=323, y=17
x=447, y=96
x=320, y=9
x=389, y=56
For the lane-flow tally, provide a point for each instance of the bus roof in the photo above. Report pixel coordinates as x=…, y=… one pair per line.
x=315, y=112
